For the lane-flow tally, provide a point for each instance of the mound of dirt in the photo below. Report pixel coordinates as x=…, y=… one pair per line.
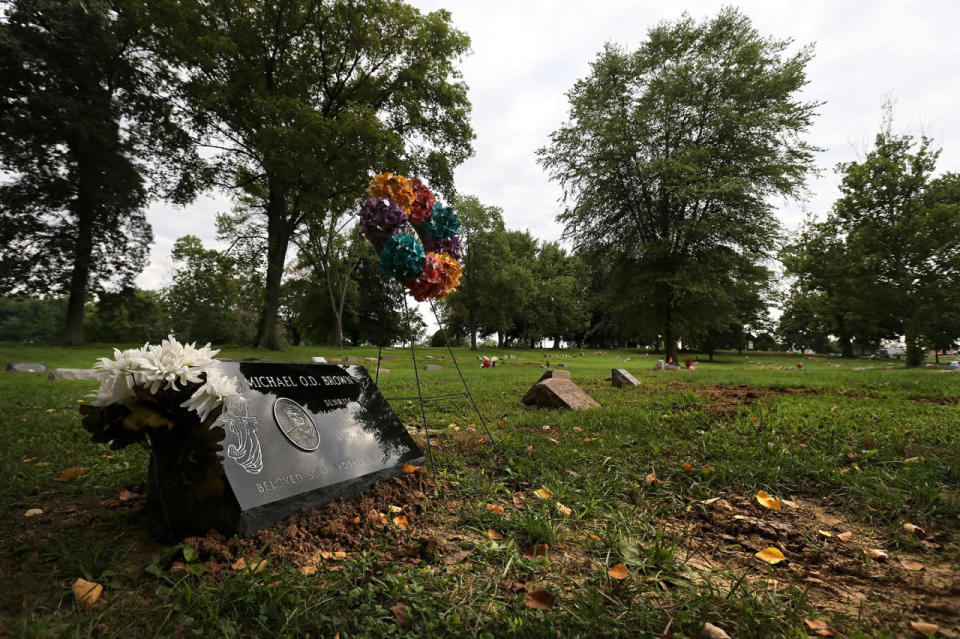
x=340, y=527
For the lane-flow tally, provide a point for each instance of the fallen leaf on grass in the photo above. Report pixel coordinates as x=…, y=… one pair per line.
x=72, y=473
x=253, y=564
x=876, y=553
x=819, y=627
x=911, y=460
x=127, y=495
x=86, y=592
x=594, y=537
x=401, y=613
x=769, y=502
x=688, y=468
x=845, y=537
x=652, y=479
x=352, y=521
x=32, y=512
x=495, y=508
x=619, y=571
x=543, y=493
x=400, y=521
x=915, y=530
x=710, y=631
x=493, y=534
x=30, y=459
x=538, y=550
x=538, y=599
x=563, y=510
x=924, y=628
x=577, y=429
x=825, y=533
x=770, y=555
x=911, y=565
x=395, y=509
x=455, y=558
x=308, y=571
x=409, y=469
x=707, y=469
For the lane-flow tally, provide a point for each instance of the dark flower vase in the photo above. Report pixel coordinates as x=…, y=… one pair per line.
x=172, y=509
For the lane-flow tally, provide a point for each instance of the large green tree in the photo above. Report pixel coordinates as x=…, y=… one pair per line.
x=673, y=153
x=903, y=226
x=303, y=100
x=85, y=137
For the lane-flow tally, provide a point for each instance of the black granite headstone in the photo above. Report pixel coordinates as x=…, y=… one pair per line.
x=301, y=435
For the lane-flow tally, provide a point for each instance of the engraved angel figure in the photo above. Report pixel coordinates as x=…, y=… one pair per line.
x=246, y=452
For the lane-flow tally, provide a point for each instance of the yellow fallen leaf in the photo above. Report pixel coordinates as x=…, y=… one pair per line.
x=254, y=564
x=924, y=628
x=825, y=533
x=652, y=479
x=911, y=565
x=400, y=522
x=395, y=509
x=495, y=508
x=619, y=571
x=876, y=553
x=71, y=473
x=915, y=530
x=86, y=592
x=767, y=501
x=308, y=570
x=563, y=510
x=707, y=469
x=845, y=537
x=43, y=463
x=770, y=555
x=30, y=459
x=819, y=627
x=410, y=469
x=911, y=460
x=710, y=631
x=543, y=493
x=594, y=537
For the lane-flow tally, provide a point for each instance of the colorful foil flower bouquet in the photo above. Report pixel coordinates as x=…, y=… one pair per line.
x=169, y=397
x=397, y=204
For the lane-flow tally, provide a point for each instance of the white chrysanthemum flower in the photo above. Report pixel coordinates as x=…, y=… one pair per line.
x=215, y=391
x=171, y=366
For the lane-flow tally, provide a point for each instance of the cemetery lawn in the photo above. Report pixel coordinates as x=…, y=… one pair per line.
x=637, y=519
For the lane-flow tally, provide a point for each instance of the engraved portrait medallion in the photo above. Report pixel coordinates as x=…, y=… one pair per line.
x=296, y=424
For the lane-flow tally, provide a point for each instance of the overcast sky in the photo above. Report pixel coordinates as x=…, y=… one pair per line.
x=528, y=53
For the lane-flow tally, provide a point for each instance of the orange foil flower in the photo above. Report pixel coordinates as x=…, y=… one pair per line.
x=451, y=273
x=395, y=187
x=422, y=205
x=429, y=282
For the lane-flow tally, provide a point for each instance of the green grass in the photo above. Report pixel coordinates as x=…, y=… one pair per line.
x=840, y=447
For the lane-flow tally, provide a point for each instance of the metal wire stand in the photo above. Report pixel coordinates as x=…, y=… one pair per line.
x=436, y=398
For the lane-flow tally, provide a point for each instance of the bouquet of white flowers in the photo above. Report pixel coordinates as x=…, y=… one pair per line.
x=168, y=396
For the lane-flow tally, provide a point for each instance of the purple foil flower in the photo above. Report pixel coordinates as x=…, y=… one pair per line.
x=449, y=245
x=380, y=219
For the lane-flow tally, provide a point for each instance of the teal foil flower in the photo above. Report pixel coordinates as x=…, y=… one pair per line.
x=402, y=257
x=442, y=223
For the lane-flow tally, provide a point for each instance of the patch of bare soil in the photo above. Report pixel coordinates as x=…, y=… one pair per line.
x=391, y=510
x=847, y=569
x=726, y=399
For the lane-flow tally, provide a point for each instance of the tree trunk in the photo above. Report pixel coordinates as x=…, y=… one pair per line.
x=278, y=237
x=79, y=279
x=846, y=345
x=473, y=339
x=710, y=352
x=669, y=340
x=913, y=342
